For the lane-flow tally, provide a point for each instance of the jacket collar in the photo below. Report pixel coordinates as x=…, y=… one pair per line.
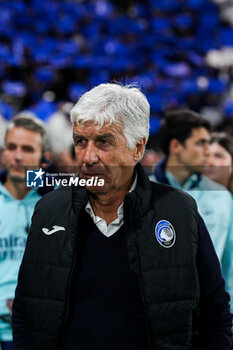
x=41, y=190
x=80, y=197
x=160, y=172
x=33, y=193
x=2, y=176
x=140, y=198
x=161, y=176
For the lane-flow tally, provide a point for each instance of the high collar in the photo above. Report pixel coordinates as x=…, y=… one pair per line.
x=80, y=197
x=2, y=176
x=161, y=176
x=33, y=193
x=160, y=171
x=41, y=190
x=140, y=198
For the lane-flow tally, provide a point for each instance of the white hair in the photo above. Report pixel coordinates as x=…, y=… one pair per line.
x=115, y=104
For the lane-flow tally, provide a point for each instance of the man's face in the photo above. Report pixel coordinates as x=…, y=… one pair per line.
x=193, y=154
x=23, y=148
x=103, y=152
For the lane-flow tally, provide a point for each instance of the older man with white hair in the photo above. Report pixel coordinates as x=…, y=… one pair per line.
x=109, y=277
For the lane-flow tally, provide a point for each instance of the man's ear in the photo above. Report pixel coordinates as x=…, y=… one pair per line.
x=45, y=159
x=139, y=149
x=175, y=146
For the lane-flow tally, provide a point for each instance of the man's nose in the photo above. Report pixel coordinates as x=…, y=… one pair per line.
x=207, y=149
x=18, y=154
x=210, y=160
x=90, y=156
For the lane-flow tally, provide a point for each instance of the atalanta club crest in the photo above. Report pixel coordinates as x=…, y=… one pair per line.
x=165, y=233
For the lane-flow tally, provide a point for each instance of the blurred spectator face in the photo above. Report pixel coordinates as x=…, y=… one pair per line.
x=150, y=158
x=64, y=162
x=23, y=149
x=194, y=152
x=219, y=164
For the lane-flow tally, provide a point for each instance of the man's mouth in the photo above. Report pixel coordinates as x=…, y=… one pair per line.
x=92, y=171
x=17, y=168
x=89, y=175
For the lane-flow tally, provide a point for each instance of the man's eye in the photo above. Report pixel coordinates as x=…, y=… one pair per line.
x=11, y=146
x=218, y=156
x=28, y=149
x=80, y=142
x=103, y=142
x=202, y=143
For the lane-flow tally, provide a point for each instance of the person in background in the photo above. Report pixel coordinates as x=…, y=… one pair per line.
x=59, y=134
x=184, y=138
x=24, y=147
x=220, y=169
x=130, y=264
x=150, y=159
x=3, y=126
x=220, y=160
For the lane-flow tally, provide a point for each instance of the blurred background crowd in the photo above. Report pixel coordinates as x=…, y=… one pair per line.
x=179, y=51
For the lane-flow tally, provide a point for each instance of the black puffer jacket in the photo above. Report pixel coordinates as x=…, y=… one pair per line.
x=168, y=276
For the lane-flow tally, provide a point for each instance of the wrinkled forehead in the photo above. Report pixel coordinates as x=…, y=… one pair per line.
x=97, y=128
x=99, y=118
x=19, y=134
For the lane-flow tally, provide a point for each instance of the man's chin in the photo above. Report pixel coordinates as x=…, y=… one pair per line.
x=199, y=169
x=95, y=184
x=17, y=177
x=97, y=190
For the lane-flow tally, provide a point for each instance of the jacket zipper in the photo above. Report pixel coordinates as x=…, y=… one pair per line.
x=69, y=283
x=128, y=209
x=143, y=301
x=70, y=279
